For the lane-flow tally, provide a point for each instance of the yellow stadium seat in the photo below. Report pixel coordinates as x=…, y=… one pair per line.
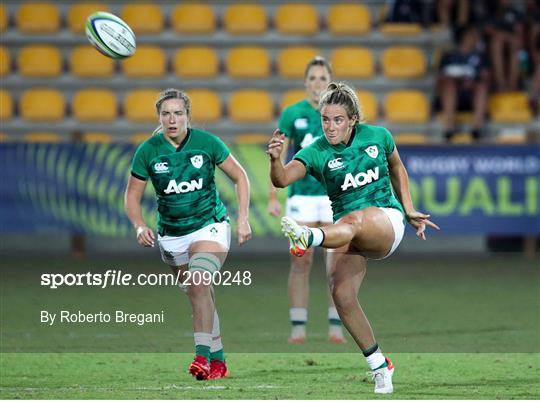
x=462, y=138
x=403, y=62
x=5, y=61
x=40, y=61
x=205, y=105
x=39, y=17
x=291, y=97
x=410, y=139
x=406, y=106
x=252, y=138
x=103, y=138
x=400, y=29
x=4, y=18
x=147, y=62
x=196, y=62
x=95, y=105
x=193, y=19
x=352, y=62
x=245, y=19
x=42, y=137
x=466, y=118
x=292, y=61
x=143, y=18
x=251, y=106
x=86, y=62
x=4, y=137
x=349, y=19
x=139, y=105
x=6, y=105
x=512, y=138
x=77, y=14
x=41, y=104
x=510, y=107
x=248, y=62
x=297, y=19
x=139, y=137
x=368, y=103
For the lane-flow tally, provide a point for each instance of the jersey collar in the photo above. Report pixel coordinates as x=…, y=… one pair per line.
x=351, y=138
x=341, y=146
x=182, y=144
x=184, y=141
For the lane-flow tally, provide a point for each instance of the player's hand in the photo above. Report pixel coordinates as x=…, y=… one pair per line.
x=243, y=231
x=145, y=236
x=275, y=145
x=274, y=207
x=420, y=222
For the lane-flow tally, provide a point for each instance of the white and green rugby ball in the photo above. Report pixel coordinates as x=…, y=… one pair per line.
x=110, y=35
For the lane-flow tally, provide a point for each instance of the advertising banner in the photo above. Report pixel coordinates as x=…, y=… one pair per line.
x=78, y=188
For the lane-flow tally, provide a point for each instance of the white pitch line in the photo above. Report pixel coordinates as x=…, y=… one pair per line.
x=164, y=388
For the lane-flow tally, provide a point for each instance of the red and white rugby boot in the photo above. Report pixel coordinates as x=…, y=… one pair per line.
x=199, y=368
x=218, y=369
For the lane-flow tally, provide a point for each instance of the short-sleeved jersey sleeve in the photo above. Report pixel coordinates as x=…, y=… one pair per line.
x=305, y=157
x=140, y=163
x=220, y=151
x=388, y=142
x=286, y=123
x=312, y=157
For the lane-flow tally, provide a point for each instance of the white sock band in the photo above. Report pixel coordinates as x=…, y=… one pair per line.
x=333, y=314
x=216, y=335
x=375, y=360
x=318, y=237
x=298, y=314
x=202, y=338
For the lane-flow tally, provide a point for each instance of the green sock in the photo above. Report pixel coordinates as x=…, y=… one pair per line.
x=382, y=365
x=217, y=355
x=310, y=238
x=202, y=350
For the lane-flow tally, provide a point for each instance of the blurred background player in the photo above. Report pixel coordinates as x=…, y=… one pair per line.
x=359, y=165
x=463, y=82
x=193, y=226
x=307, y=202
x=504, y=29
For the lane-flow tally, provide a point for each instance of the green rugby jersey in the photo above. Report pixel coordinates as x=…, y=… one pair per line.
x=301, y=123
x=183, y=179
x=356, y=174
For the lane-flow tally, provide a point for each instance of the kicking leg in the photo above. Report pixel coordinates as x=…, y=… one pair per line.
x=369, y=231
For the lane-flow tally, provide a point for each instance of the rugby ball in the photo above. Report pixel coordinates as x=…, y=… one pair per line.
x=110, y=35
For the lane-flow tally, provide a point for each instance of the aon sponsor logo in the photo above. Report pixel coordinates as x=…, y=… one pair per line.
x=360, y=179
x=183, y=187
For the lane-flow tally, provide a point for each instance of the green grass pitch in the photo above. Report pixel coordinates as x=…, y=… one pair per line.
x=456, y=328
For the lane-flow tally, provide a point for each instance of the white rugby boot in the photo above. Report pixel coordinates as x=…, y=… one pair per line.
x=383, y=378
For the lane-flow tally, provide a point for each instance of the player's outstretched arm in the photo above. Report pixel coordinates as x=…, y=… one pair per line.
x=132, y=205
x=281, y=176
x=274, y=207
x=400, y=183
x=232, y=168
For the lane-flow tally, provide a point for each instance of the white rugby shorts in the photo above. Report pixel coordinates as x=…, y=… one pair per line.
x=396, y=218
x=175, y=249
x=309, y=208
